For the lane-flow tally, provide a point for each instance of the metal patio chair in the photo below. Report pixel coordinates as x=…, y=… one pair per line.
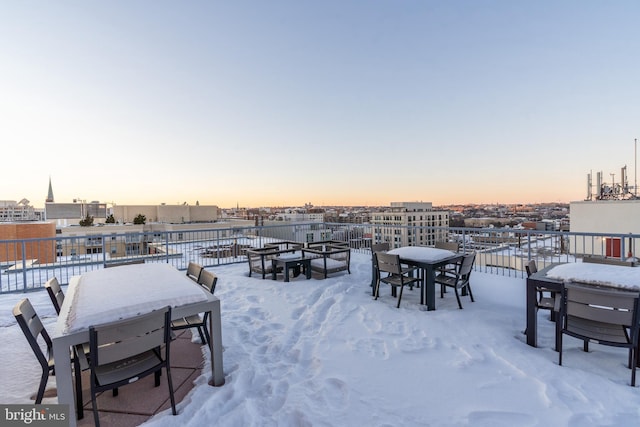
x=193, y=271
x=397, y=276
x=36, y=334
x=603, y=316
x=458, y=279
x=126, y=350
x=208, y=282
x=55, y=293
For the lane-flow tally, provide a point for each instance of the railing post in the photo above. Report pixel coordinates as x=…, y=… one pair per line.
x=104, y=251
x=166, y=245
x=24, y=266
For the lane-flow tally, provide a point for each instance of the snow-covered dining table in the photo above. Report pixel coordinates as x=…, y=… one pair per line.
x=556, y=275
x=111, y=294
x=428, y=260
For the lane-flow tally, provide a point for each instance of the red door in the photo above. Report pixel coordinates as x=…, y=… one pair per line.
x=613, y=246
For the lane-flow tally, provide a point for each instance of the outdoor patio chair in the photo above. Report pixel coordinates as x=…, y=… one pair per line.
x=36, y=334
x=459, y=279
x=260, y=259
x=397, y=276
x=193, y=271
x=546, y=297
x=448, y=246
x=208, y=282
x=604, y=316
x=55, y=293
x=126, y=350
x=376, y=247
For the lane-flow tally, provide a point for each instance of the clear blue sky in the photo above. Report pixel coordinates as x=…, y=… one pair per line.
x=330, y=102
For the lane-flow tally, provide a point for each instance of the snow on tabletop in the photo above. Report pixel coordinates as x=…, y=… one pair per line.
x=98, y=295
x=421, y=253
x=598, y=274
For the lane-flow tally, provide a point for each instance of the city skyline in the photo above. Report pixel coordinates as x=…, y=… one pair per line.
x=334, y=103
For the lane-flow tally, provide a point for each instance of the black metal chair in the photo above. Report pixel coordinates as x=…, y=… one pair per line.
x=193, y=271
x=126, y=350
x=55, y=293
x=604, y=316
x=397, y=276
x=459, y=279
x=208, y=281
x=376, y=247
x=546, y=298
x=35, y=333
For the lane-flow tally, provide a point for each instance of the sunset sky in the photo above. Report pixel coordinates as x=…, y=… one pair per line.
x=263, y=103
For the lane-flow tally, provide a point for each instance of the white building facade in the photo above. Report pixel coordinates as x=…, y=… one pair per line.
x=606, y=216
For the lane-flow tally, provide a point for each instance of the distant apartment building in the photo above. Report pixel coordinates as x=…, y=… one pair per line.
x=348, y=217
x=410, y=224
x=293, y=215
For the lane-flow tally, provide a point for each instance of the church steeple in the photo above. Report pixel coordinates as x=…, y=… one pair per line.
x=50, y=194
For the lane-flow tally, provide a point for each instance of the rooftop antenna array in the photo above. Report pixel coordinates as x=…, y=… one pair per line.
x=613, y=190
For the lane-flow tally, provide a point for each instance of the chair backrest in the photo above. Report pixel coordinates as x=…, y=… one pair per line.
x=380, y=247
x=122, y=339
x=55, y=293
x=208, y=280
x=32, y=328
x=466, y=266
x=450, y=246
x=193, y=271
x=599, y=306
x=388, y=263
x=531, y=267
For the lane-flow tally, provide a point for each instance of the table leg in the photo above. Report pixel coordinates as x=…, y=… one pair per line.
x=430, y=288
x=215, y=345
x=307, y=269
x=532, y=324
x=287, y=266
x=63, y=377
x=423, y=286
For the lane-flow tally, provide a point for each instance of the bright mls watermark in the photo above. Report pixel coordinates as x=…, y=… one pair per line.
x=34, y=415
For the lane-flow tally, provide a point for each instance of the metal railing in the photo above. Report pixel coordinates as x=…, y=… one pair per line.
x=26, y=264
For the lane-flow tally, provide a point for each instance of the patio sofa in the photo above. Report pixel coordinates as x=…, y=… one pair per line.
x=260, y=259
x=328, y=259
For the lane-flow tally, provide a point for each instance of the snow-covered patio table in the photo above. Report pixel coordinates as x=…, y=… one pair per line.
x=106, y=295
x=428, y=260
x=555, y=276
